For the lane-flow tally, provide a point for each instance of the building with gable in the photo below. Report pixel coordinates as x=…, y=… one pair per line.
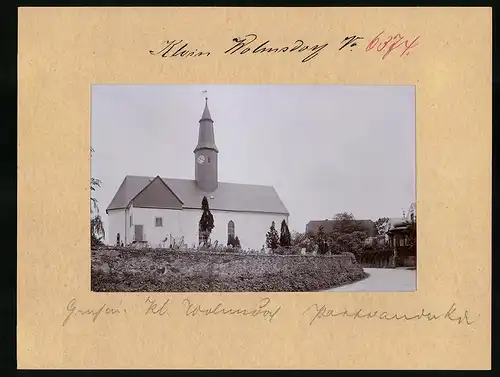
x=367, y=226
x=157, y=210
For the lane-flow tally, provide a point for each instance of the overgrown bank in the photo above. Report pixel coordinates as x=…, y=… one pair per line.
x=178, y=271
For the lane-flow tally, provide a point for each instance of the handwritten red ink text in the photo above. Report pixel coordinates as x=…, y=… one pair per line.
x=392, y=43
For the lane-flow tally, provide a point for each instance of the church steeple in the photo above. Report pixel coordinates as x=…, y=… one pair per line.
x=206, y=153
x=206, y=138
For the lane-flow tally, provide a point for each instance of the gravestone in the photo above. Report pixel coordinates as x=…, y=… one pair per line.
x=303, y=251
x=105, y=268
x=114, y=253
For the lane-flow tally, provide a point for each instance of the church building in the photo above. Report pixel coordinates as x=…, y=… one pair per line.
x=158, y=210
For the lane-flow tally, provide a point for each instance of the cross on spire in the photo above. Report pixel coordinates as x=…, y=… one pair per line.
x=206, y=113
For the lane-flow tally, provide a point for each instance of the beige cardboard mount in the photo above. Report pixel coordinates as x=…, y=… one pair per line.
x=62, y=52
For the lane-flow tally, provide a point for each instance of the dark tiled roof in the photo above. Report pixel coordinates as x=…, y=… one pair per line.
x=329, y=225
x=227, y=197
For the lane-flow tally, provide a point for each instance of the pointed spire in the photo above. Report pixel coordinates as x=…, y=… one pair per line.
x=206, y=113
x=206, y=139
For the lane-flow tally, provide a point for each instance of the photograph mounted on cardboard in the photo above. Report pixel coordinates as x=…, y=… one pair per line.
x=252, y=188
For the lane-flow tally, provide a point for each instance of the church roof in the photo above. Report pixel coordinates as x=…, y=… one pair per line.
x=227, y=197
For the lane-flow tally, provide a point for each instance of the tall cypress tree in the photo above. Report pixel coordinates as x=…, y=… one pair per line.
x=207, y=220
x=285, y=237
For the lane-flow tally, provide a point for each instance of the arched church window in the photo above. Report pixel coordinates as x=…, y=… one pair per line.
x=230, y=228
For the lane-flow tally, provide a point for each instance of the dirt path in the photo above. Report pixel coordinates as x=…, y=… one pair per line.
x=383, y=280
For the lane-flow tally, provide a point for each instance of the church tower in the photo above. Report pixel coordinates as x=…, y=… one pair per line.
x=205, y=154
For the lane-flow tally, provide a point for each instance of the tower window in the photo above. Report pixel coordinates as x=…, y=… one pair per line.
x=158, y=221
x=209, y=160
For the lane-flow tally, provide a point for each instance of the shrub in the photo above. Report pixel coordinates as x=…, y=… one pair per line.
x=303, y=240
x=95, y=241
x=233, y=241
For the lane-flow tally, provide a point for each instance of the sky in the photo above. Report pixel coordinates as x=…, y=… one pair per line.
x=326, y=149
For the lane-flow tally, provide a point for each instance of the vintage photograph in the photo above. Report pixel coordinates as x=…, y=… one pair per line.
x=253, y=188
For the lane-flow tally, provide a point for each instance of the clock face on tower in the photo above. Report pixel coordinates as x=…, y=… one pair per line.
x=200, y=159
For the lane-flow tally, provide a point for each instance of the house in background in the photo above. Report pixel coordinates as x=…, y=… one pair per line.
x=156, y=210
x=395, y=225
x=402, y=239
x=391, y=224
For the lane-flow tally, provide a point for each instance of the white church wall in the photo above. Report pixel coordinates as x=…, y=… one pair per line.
x=119, y=222
x=250, y=227
x=171, y=224
x=129, y=225
x=116, y=224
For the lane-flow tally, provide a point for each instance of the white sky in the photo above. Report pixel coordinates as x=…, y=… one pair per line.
x=325, y=148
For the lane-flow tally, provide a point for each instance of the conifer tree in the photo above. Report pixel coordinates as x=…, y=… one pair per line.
x=285, y=237
x=272, y=237
x=206, y=221
x=321, y=240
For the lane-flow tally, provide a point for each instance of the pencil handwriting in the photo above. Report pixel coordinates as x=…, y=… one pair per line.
x=157, y=309
x=322, y=311
x=104, y=309
x=263, y=309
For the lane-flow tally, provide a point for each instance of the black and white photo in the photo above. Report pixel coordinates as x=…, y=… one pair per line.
x=263, y=188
